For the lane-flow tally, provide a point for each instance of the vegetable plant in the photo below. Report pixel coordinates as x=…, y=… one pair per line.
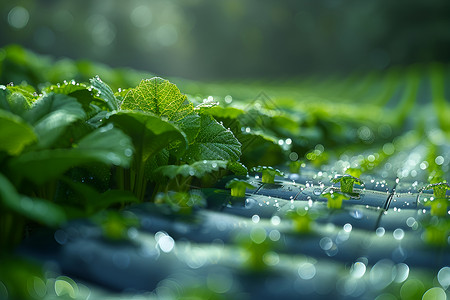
x=346, y=182
x=43, y=139
x=294, y=166
x=439, y=206
x=302, y=221
x=167, y=130
x=238, y=187
x=268, y=173
x=334, y=199
x=439, y=189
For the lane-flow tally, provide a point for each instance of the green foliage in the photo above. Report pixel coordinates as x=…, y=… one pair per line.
x=15, y=133
x=335, y=199
x=268, y=173
x=181, y=202
x=197, y=169
x=238, y=187
x=213, y=142
x=302, y=221
x=346, y=182
x=439, y=189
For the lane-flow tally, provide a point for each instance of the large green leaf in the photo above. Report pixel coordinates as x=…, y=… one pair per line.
x=196, y=169
x=213, y=142
x=14, y=102
x=51, y=115
x=39, y=210
x=15, y=134
x=160, y=97
x=150, y=133
x=106, y=145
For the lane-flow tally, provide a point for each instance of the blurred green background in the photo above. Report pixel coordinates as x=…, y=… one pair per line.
x=216, y=39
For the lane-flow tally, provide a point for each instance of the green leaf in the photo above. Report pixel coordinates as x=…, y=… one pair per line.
x=105, y=93
x=190, y=125
x=34, y=209
x=213, y=142
x=222, y=112
x=27, y=91
x=51, y=115
x=93, y=201
x=150, y=134
x=197, y=169
x=106, y=145
x=160, y=97
x=15, y=134
x=237, y=168
x=14, y=102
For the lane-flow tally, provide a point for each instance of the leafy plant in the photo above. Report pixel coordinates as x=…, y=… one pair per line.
x=334, y=199
x=167, y=130
x=45, y=137
x=302, y=221
x=346, y=182
x=238, y=187
x=439, y=189
x=268, y=173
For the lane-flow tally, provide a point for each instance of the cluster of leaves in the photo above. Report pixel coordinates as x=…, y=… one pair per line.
x=75, y=149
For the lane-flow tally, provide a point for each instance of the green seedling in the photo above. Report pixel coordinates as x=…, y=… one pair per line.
x=438, y=206
x=238, y=187
x=256, y=248
x=268, y=173
x=294, y=166
x=302, y=221
x=180, y=202
x=436, y=233
x=115, y=225
x=346, y=182
x=439, y=189
x=335, y=199
x=355, y=172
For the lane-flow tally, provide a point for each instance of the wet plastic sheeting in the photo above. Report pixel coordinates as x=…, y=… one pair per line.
x=404, y=201
x=263, y=206
x=368, y=198
x=404, y=219
x=405, y=248
x=283, y=190
x=357, y=216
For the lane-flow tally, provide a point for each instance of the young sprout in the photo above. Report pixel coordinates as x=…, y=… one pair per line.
x=335, y=199
x=294, y=166
x=268, y=173
x=438, y=206
x=436, y=234
x=439, y=189
x=355, y=172
x=347, y=182
x=238, y=187
x=302, y=221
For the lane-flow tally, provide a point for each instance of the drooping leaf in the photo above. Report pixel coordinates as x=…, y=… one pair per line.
x=150, y=134
x=197, y=169
x=15, y=134
x=51, y=115
x=106, y=145
x=160, y=97
x=36, y=209
x=213, y=142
